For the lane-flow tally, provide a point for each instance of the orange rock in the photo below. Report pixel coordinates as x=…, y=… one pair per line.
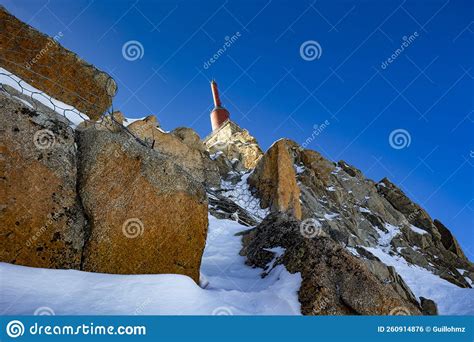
x=274, y=180
x=41, y=220
x=146, y=215
x=46, y=65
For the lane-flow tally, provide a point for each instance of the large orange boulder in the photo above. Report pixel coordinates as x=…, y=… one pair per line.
x=41, y=219
x=274, y=179
x=146, y=214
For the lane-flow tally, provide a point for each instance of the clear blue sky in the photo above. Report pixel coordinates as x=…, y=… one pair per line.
x=272, y=91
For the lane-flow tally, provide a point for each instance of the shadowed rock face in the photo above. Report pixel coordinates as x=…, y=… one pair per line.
x=41, y=220
x=334, y=281
x=145, y=213
x=274, y=180
x=46, y=65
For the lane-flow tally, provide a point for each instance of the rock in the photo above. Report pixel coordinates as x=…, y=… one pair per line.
x=334, y=281
x=274, y=180
x=234, y=143
x=448, y=240
x=146, y=214
x=194, y=161
x=412, y=211
x=189, y=137
x=41, y=221
x=428, y=307
x=387, y=275
x=113, y=123
x=46, y=65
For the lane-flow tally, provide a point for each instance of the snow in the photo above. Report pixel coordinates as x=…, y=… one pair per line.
x=278, y=252
x=331, y=188
x=451, y=299
x=418, y=230
x=299, y=169
x=364, y=210
x=71, y=113
x=232, y=288
x=330, y=216
x=386, y=237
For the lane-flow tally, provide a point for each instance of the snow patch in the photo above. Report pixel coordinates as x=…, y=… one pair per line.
x=418, y=230
x=230, y=284
x=69, y=112
x=451, y=299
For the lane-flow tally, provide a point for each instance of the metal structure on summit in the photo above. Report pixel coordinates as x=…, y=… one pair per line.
x=219, y=115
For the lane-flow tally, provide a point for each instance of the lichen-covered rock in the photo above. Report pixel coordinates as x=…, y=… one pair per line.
x=146, y=214
x=41, y=220
x=189, y=137
x=42, y=62
x=334, y=281
x=113, y=123
x=274, y=180
x=193, y=160
x=236, y=145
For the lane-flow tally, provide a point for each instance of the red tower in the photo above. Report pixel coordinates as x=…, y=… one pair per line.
x=219, y=114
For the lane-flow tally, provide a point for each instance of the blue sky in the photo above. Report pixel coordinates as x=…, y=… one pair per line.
x=426, y=90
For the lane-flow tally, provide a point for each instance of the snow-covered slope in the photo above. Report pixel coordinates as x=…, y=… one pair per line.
x=231, y=287
x=451, y=299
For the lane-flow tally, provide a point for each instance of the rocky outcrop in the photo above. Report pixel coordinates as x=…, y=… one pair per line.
x=189, y=137
x=234, y=146
x=41, y=221
x=145, y=213
x=334, y=282
x=274, y=180
x=189, y=156
x=448, y=240
x=113, y=123
x=412, y=211
x=51, y=68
